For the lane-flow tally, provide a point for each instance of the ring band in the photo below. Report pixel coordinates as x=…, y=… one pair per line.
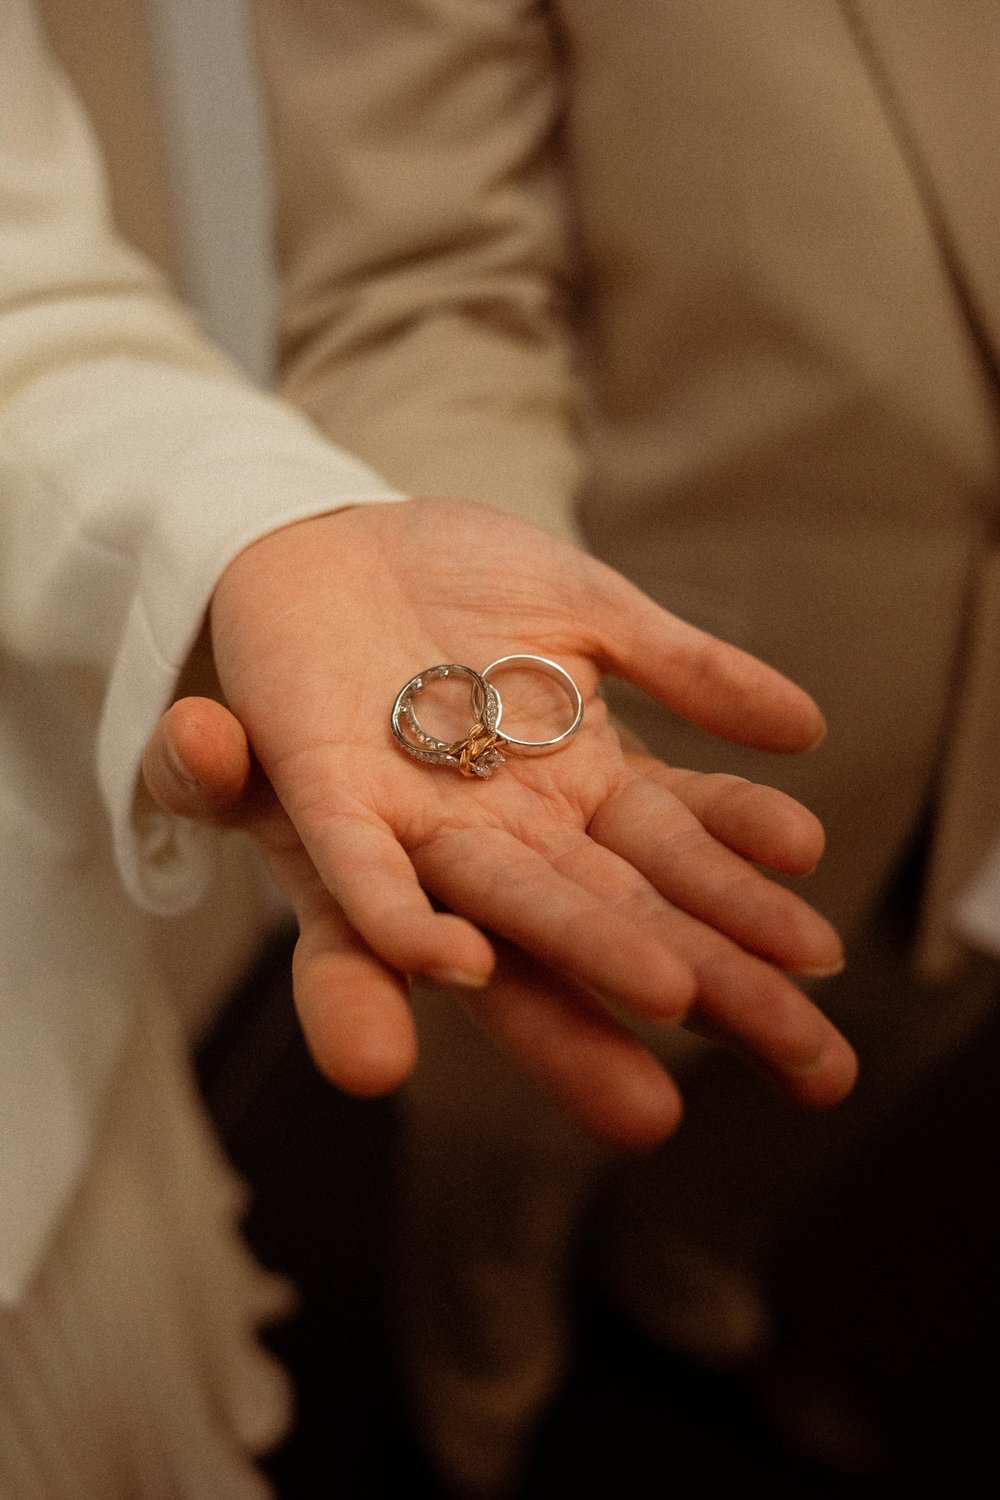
x=479, y=753
x=565, y=681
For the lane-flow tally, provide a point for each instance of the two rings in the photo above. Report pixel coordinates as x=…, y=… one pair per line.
x=480, y=752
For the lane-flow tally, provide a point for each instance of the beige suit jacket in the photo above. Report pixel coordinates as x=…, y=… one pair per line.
x=718, y=287
x=716, y=284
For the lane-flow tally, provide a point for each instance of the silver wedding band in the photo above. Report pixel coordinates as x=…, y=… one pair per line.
x=565, y=681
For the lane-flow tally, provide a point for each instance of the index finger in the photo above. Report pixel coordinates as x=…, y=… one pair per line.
x=719, y=687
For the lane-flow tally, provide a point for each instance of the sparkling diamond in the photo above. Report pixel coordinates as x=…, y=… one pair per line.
x=491, y=760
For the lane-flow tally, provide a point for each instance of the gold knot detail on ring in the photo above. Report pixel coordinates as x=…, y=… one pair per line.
x=480, y=754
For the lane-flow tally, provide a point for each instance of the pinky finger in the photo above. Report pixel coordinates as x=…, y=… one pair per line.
x=577, y=1053
x=759, y=822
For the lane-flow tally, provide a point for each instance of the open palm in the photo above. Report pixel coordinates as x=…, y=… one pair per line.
x=605, y=876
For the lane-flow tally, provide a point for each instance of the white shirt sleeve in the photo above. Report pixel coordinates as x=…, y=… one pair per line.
x=135, y=462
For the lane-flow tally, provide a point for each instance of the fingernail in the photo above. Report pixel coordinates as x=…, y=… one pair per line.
x=826, y=972
x=805, y=1070
x=459, y=977
x=178, y=767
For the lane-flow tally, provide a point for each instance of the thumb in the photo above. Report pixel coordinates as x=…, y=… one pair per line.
x=197, y=762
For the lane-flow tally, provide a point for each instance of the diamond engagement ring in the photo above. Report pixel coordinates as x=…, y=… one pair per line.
x=480, y=753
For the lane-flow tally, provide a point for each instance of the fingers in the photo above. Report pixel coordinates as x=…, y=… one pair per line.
x=755, y=1011
x=354, y=1010
x=197, y=763
x=758, y=822
x=371, y=878
x=739, y=998
x=652, y=831
x=356, y=1019
x=511, y=889
x=717, y=686
x=566, y=1041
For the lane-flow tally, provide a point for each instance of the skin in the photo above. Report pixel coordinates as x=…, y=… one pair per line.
x=566, y=894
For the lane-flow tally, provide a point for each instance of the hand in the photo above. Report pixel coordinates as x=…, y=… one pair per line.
x=593, y=860
x=198, y=765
